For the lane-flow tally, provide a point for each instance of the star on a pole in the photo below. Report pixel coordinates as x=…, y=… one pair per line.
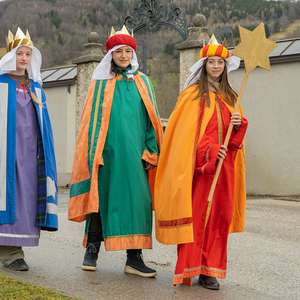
x=254, y=49
x=254, y=43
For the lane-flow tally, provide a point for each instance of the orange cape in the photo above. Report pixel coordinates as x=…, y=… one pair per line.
x=173, y=184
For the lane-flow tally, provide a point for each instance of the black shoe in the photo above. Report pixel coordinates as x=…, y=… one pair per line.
x=135, y=264
x=92, y=250
x=19, y=265
x=209, y=282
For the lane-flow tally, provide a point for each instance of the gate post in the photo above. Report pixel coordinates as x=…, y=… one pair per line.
x=86, y=64
x=190, y=48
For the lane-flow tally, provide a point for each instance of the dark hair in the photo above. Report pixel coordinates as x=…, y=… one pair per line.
x=113, y=68
x=229, y=95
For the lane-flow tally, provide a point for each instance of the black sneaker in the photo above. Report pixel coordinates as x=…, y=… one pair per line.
x=19, y=265
x=91, y=253
x=135, y=264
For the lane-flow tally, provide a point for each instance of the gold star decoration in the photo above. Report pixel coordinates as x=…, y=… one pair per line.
x=254, y=43
x=254, y=49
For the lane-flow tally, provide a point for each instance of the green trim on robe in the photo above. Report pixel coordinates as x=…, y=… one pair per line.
x=151, y=93
x=80, y=188
x=95, y=121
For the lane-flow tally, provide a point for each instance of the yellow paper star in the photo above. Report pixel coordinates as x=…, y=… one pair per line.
x=254, y=43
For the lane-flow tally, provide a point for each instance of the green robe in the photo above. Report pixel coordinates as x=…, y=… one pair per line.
x=125, y=201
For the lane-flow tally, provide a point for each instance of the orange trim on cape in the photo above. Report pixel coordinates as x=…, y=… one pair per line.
x=141, y=86
x=150, y=158
x=128, y=242
x=173, y=184
x=125, y=242
x=175, y=223
x=80, y=170
x=82, y=205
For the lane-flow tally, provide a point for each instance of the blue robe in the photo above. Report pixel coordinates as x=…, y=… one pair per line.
x=46, y=215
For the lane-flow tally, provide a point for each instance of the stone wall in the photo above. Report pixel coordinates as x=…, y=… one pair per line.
x=86, y=64
x=84, y=77
x=190, y=48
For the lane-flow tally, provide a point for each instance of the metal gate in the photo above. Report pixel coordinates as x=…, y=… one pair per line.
x=149, y=14
x=141, y=52
x=225, y=32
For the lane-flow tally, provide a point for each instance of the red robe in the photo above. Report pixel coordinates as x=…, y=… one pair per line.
x=208, y=253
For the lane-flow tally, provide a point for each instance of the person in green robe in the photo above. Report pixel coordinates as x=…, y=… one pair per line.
x=117, y=150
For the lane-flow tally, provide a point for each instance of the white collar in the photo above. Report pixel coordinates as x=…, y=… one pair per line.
x=8, y=63
x=102, y=71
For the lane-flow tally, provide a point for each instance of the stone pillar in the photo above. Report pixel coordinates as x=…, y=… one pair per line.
x=86, y=64
x=190, y=48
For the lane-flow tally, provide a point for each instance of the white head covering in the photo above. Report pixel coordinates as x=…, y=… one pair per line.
x=103, y=69
x=232, y=62
x=8, y=61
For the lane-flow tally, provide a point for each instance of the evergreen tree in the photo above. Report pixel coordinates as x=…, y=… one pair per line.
x=267, y=30
x=60, y=39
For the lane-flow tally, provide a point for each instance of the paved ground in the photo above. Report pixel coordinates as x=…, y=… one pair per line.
x=263, y=262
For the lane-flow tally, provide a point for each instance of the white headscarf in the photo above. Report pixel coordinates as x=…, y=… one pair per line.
x=232, y=62
x=102, y=71
x=8, y=63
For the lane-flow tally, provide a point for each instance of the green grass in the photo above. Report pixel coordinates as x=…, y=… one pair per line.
x=290, y=29
x=11, y=288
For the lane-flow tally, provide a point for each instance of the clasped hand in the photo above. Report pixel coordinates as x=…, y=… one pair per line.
x=236, y=120
x=149, y=166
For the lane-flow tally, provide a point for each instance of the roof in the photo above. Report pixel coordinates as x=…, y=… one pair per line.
x=286, y=51
x=59, y=76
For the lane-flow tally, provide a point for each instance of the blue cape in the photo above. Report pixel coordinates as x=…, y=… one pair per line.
x=46, y=215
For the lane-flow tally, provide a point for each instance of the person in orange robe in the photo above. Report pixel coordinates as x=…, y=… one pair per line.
x=192, y=148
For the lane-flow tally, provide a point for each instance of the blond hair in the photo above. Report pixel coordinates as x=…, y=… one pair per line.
x=34, y=98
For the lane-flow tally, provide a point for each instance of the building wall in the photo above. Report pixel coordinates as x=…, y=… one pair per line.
x=62, y=110
x=271, y=103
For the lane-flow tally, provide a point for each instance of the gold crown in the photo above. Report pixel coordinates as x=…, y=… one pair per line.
x=20, y=39
x=123, y=31
x=214, y=41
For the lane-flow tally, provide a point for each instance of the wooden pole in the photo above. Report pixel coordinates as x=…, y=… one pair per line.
x=236, y=108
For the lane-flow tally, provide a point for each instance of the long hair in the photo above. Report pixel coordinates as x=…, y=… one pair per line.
x=113, y=68
x=34, y=98
x=227, y=92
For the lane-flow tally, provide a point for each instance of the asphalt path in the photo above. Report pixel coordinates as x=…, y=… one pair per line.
x=263, y=261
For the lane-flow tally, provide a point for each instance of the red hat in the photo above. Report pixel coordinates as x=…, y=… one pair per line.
x=120, y=39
